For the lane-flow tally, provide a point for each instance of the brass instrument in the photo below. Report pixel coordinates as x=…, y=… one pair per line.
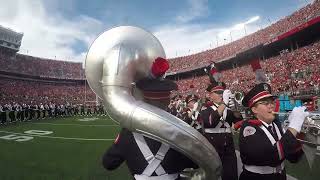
x=311, y=124
x=115, y=61
x=237, y=99
x=309, y=135
x=238, y=107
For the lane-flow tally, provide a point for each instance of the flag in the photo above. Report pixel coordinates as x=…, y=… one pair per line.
x=214, y=72
x=259, y=72
x=255, y=64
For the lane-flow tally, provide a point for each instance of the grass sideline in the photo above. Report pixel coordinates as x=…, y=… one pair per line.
x=48, y=158
x=67, y=154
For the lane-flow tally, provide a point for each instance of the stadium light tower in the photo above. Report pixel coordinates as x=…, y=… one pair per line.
x=217, y=40
x=245, y=30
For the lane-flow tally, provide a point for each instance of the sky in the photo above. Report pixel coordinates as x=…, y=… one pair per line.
x=65, y=29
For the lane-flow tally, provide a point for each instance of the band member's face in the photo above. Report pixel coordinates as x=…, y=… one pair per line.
x=264, y=109
x=191, y=104
x=215, y=97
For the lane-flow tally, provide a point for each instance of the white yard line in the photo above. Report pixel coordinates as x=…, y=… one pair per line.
x=112, y=119
x=291, y=177
x=93, y=125
x=57, y=137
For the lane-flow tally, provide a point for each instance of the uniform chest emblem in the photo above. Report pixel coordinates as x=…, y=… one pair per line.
x=248, y=131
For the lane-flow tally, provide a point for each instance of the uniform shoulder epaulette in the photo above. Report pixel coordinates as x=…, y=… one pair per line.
x=251, y=122
x=238, y=124
x=255, y=122
x=209, y=103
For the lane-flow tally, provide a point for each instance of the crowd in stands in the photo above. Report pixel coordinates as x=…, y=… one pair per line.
x=260, y=37
x=35, y=66
x=22, y=91
x=295, y=71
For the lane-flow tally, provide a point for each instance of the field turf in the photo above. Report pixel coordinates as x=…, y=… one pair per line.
x=70, y=148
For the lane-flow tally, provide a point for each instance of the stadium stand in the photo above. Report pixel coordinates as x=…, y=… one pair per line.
x=295, y=71
x=45, y=68
x=292, y=72
x=260, y=37
x=23, y=91
x=58, y=81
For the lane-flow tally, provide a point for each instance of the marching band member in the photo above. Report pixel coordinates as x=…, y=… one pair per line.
x=216, y=121
x=172, y=107
x=192, y=111
x=148, y=159
x=2, y=115
x=263, y=145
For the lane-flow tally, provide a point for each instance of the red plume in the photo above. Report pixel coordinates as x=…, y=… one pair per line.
x=159, y=67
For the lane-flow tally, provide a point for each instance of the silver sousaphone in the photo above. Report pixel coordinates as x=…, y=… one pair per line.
x=309, y=136
x=118, y=58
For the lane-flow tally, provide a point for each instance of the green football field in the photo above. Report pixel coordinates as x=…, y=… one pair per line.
x=71, y=149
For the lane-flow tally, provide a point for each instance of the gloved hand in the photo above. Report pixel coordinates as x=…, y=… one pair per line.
x=296, y=117
x=231, y=103
x=226, y=96
x=195, y=106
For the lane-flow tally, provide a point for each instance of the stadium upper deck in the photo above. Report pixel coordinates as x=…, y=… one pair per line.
x=263, y=36
x=48, y=68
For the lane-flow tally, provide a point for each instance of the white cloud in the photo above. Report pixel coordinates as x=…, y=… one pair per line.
x=304, y=2
x=253, y=19
x=48, y=35
x=197, y=9
x=190, y=39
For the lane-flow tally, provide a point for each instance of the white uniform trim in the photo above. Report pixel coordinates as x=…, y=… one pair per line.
x=153, y=161
x=279, y=146
x=195, y=121
x=270, y=137
x=269, y=169
x=272, y=140
x=162, y=177
x=218, y=128
x=264, y=169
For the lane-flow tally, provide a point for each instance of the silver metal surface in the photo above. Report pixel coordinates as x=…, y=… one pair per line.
x=310, y=127
x=237, y=99
x=118, y=58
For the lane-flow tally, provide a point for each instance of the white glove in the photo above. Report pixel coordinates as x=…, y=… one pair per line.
x=226, y=96
x=296, y=117
x=195, y=106
x=231, y=103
